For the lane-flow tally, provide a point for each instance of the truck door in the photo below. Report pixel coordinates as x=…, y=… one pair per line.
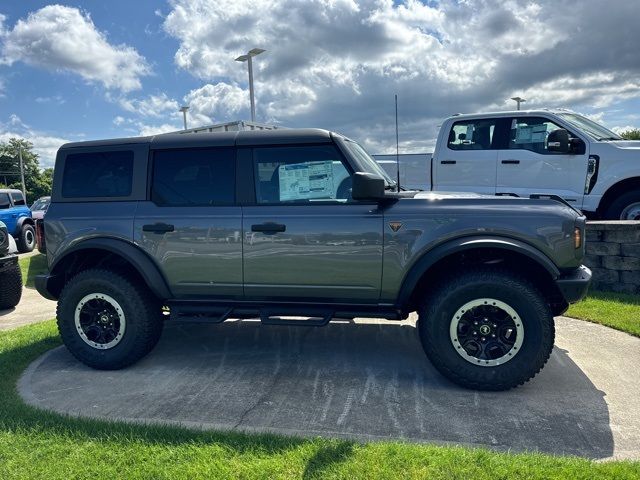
x=304, y=237
x=8, y=215
x=191, y=225
x=525, y=165
x=466, y=160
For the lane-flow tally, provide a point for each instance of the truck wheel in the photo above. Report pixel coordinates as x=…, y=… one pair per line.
x=625, y=207
x=10, y=287
x=106, y=321
x=487, y=329
x=27, y=239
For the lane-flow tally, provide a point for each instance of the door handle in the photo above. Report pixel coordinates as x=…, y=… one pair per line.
x=447, y=162
x=269, y=228
x=158, y=228
x=510, y=162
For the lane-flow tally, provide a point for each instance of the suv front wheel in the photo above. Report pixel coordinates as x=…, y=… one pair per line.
x=106, y=321
x=487, y=329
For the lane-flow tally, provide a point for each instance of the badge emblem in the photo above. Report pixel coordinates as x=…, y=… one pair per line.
x=395, y=226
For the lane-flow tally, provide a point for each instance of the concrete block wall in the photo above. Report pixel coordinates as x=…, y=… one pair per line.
x=613, y=254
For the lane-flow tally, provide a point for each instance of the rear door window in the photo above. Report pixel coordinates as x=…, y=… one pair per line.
x=98, y=174
x=472, y=135
x=17, y=198
x=194, y=177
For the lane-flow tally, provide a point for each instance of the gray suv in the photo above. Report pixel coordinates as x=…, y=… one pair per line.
x=300, y=223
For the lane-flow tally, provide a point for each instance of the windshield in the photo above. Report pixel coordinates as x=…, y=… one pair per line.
x=40, y=204
x=367, y=160
x=591, y=128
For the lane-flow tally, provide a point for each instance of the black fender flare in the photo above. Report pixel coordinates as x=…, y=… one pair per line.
x=437, y=253
x=28, y=220
x=140, y=260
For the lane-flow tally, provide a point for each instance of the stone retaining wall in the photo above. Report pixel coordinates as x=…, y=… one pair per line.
x=613, y=254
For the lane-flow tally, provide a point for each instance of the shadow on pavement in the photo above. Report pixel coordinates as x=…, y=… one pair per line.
x=366, y=381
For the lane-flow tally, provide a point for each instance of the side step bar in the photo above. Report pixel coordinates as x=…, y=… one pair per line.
x=316, y=315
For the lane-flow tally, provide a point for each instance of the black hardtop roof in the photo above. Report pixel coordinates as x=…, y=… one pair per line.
x=245, y=137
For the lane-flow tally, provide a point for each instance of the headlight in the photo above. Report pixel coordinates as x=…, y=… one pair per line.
x=577, y=237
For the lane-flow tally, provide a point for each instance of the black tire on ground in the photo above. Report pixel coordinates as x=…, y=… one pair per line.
x=10, y=287
x=614, y=211
x=440, y=307
x=140, y=309
x=27, y=239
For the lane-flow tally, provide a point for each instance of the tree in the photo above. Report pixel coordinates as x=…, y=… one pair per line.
x=37, y=182
x=633, y=134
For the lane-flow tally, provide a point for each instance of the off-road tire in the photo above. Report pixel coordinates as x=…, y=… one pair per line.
x=614, y=211
x=10, y=286
x=439, y=307
x=27, y=238
x=141, y=310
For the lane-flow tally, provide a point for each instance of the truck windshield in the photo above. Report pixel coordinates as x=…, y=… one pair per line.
x=367, y=161
x=591, y=128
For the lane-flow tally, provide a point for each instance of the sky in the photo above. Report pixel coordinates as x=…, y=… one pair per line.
x=95, y=69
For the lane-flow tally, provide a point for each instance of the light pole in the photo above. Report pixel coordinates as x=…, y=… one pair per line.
x=184, y=115
x=518, y=101
x=247, y=58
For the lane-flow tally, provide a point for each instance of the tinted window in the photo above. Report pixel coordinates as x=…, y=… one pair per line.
x=4, y=200
x=98, y=174
x=17, y=198
x=300, y=174
x=194, y=177
x=531, y=133
x=472, y=135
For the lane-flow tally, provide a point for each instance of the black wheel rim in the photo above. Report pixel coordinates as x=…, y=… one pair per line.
x=100, y=321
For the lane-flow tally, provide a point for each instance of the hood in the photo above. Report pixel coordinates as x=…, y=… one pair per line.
x=628, y=144
x=444, y=195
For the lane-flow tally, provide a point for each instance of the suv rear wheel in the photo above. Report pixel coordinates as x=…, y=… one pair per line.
x=487, y=329
x=106, y=321
x=27, y=239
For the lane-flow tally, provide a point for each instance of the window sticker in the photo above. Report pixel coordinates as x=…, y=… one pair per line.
x=304, y=181
x=538, y=133
x=524, y=134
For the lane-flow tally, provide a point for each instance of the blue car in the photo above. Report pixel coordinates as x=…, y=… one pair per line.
x=15, y=214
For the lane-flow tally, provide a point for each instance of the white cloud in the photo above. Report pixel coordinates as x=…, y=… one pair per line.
x=45, y=145
x=147, y=130
x=61, y=38
x=337, y=63
x=216, y=103
x=152, y=106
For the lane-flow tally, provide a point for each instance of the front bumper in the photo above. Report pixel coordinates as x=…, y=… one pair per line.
x=574, y=284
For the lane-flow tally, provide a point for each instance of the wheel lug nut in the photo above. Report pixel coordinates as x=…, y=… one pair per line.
x=493, y=335
x=475, y=323
x=494, y=325
x=483, y=339
x=475, y=333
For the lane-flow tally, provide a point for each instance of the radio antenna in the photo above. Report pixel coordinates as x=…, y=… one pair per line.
x=397, y=146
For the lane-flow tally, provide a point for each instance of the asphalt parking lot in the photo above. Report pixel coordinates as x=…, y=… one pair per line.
x=365, y=381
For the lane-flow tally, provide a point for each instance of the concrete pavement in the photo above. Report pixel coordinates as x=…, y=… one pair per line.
x=365, y=381
x=32, y=308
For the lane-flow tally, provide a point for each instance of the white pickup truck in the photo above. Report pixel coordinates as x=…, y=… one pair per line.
x=520, y=153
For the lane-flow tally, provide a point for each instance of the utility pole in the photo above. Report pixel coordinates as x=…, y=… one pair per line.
x=247, y=58
x=518, y=101
x=24, y=188
x=184, y=115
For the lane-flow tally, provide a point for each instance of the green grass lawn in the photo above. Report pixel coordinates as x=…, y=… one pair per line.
x=615, y=310
x=31, y=266
x=37, y=444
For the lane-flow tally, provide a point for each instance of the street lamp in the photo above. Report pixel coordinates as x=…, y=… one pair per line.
x=247, y=58
x=518, y=101
x=184, y=115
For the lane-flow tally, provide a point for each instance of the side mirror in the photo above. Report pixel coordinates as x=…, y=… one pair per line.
x=367, y=186
x=558, y=141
